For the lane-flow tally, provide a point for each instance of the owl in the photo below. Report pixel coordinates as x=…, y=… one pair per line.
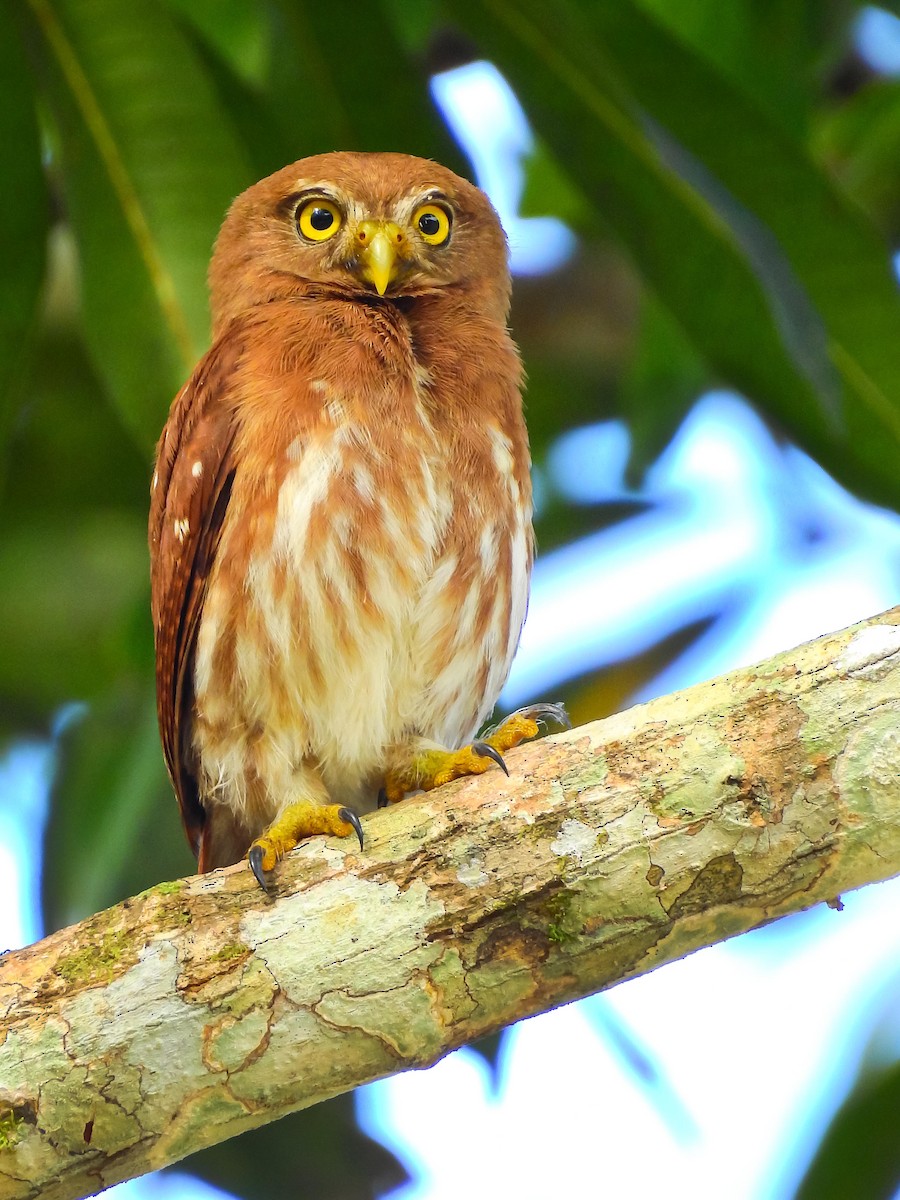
x=340, y=522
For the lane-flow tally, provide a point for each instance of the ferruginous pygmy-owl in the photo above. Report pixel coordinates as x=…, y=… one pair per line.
x=340, y=524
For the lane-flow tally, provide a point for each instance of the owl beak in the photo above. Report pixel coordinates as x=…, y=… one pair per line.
x=382, y=247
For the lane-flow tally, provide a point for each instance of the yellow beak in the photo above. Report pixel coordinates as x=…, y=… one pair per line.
x=382, y=249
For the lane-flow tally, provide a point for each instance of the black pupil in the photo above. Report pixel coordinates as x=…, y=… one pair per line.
x=321, y=219
x=429, y=224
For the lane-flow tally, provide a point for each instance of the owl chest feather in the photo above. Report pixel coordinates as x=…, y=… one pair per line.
x=346, y=586
x=382, y=597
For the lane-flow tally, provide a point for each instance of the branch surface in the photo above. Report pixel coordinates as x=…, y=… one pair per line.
x=202, y=1008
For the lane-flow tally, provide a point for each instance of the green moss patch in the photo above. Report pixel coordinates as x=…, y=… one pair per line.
x=98, y=962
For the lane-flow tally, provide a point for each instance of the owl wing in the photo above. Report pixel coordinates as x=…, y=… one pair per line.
x=189, y=498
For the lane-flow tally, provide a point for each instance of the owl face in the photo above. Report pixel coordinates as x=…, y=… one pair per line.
x=364, y=225
x=399, y=244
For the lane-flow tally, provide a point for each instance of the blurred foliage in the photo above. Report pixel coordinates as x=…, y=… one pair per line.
x=318, y=1153
x=732, y=174
x=858, y=1155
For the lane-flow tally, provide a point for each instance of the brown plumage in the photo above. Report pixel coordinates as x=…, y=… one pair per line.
x=340, y=524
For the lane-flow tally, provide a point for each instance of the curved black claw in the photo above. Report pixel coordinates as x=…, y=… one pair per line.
x=255, y=859
x=348, y=815
x=487, y=751
x=545, y=713
x=382, y=798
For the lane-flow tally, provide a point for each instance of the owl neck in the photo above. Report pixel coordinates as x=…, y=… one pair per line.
x=250, y=290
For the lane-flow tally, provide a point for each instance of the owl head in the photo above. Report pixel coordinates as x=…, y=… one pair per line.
x=372, y=226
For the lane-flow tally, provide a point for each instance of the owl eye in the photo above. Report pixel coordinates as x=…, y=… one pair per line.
x=433, y=223
x=318, y=220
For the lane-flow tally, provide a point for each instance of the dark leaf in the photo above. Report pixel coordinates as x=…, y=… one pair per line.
x=263, y=126
x=317, y=1153
x=114, y=826
x=150, y=166
x=663, y=379
x=750, y=310
x=859, y=141
x=238, y=31
x=833, y=293
x=67, y=584
x=859, y=1155
x=771, y=52
x=489, y=1048
x=598, y=693
x=23, y=230
x=570, y=94
x=72, y=542
x=347, y=82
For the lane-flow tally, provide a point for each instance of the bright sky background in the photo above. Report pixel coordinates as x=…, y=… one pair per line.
x=722, y=1066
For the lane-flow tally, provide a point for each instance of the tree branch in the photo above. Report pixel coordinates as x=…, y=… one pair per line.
x=202, y=1008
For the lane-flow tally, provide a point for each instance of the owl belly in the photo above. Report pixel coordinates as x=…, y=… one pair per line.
x=384, y=607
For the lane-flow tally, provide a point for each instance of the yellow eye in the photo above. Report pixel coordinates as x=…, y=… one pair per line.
x=318, y=220
x=433, y=223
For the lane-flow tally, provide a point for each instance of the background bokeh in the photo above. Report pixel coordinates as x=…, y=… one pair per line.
x=703, y=202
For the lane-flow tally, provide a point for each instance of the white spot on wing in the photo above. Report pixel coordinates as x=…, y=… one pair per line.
x=422, y=376
x=182, y=528
x=197, y=469
x=501, y=448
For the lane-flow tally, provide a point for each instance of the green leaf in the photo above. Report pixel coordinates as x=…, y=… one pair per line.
x=833, y=254
x=550, y=190
x=316, y=1153
x=770, y=51
x=67, y=587
x=758, y=276
x=344, y=77
x=237, y=29
x=315, y=93
x=663, y=379
x=683, y=247
x=73, y=560
x=859, y=1155
x=114, y=828
x=67, y=435
x=23, y=230
x=149, y=167
x=859, y=141
x=416, y=24
x=263, y=126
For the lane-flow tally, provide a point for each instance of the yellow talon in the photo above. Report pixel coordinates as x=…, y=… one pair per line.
x=298, y=821
x=515, y=729
x=431, y=768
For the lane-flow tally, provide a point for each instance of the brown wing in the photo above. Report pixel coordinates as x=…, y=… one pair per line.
x=189, y=497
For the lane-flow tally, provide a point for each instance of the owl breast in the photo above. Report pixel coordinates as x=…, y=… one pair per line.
x=382, y=600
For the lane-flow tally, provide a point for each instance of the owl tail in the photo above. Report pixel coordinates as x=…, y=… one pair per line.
x=223, y=840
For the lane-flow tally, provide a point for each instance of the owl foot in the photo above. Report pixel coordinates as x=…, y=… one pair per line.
x=298, y=821
x=431, y=767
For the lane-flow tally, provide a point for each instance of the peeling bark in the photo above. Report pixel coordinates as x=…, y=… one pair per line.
x=202, y=1008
